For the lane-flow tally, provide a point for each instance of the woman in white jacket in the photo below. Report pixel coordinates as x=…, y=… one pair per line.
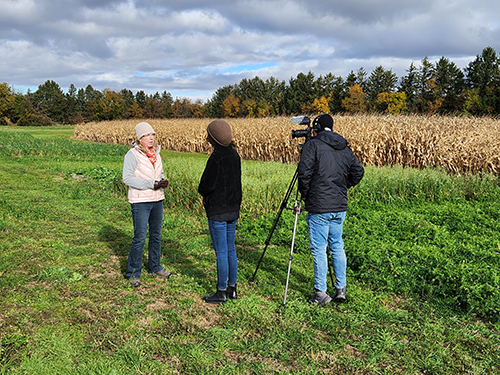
x=143, y=174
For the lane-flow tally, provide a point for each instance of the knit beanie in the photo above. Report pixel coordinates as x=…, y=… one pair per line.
x=142, y=129
x=322, y=122
x=220, y=131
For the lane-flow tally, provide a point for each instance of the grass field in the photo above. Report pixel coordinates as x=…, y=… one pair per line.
x=423, y=249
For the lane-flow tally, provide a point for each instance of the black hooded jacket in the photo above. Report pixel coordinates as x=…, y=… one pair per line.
x=327, y=168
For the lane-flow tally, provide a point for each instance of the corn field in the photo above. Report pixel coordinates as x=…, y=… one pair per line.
x=456, y=144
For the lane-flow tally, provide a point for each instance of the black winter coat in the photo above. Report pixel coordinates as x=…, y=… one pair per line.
x=327, y=168
x=220, y=183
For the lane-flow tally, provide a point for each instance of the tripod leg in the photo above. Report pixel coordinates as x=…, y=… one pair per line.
x=276, y=220
x=297, y=213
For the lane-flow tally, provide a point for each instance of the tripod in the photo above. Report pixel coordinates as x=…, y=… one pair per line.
x=296, y=211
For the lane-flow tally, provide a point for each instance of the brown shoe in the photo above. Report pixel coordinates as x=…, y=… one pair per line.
x=134, y=282
x=164, y=273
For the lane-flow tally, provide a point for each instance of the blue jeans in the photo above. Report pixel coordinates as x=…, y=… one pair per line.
x=326, y=229
x=143, y=214
x=222, y=234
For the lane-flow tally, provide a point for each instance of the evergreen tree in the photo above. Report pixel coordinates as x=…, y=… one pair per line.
x=128, y=100
x=300, y=94
x=167, y=103
x=49, y=100
x=483, y=75
x=409, y=85
x=450, y=85
x=379, y=81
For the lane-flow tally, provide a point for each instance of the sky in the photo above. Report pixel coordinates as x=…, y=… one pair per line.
x=191, y=48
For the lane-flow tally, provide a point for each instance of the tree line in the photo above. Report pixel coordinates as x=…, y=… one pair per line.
x=429, y=88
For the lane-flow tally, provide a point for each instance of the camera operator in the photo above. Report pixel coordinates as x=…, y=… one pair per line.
x=327, y=168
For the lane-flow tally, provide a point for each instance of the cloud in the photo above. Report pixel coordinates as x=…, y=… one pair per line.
x=194, y=47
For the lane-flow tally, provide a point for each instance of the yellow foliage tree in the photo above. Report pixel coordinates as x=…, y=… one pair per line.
x=135, y=110
x=356, y=101
x=262, y=109
x=321, y=105
x=392, y=103
x=231, y=106
x=251, y=107
x=6, y=103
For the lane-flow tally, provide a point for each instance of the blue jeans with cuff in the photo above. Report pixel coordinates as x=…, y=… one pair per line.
x=144, y=214
x=223, y=236
x=326, y=229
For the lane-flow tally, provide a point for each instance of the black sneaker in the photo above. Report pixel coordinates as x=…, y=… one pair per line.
x=339, y=296
x=320, y=298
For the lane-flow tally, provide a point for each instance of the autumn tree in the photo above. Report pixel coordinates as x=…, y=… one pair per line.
x=7, y=100
x=334, y=88
x=356, y=101
x=392, y=103
x=320, y=105
x=153, y=107
x=231, y=106
x=215, y=103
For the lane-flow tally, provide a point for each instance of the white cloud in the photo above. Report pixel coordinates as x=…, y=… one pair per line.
x=184, y=46
x=20, y=10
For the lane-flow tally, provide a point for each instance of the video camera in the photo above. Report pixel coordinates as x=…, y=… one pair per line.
x=306, y=133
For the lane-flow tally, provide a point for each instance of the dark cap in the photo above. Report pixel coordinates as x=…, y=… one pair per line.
x=322, y=122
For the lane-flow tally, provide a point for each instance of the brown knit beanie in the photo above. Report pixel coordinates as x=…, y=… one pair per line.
x=220, y=131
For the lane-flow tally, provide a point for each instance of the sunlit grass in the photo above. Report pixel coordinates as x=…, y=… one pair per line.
x=422, y=277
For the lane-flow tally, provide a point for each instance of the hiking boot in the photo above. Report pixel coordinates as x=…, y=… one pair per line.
x=134, y=282
x=339, y=295
x=164, y=273
x=219, y=297
x=321, y=298
x=231, y=292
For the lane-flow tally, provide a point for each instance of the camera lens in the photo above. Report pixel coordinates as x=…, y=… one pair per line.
x=299, y=133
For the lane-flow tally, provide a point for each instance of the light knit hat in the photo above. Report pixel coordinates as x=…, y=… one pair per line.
x=220, y=131
x=142, y=129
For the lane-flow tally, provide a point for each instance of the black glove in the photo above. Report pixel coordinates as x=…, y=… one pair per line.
x=160, y=184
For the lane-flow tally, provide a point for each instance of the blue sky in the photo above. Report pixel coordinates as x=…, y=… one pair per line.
x=190, y=48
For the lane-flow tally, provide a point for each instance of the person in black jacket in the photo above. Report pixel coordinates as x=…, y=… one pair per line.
x=327, y=168
x=220, y=187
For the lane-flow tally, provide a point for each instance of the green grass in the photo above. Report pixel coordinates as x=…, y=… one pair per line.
x=423, y=278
